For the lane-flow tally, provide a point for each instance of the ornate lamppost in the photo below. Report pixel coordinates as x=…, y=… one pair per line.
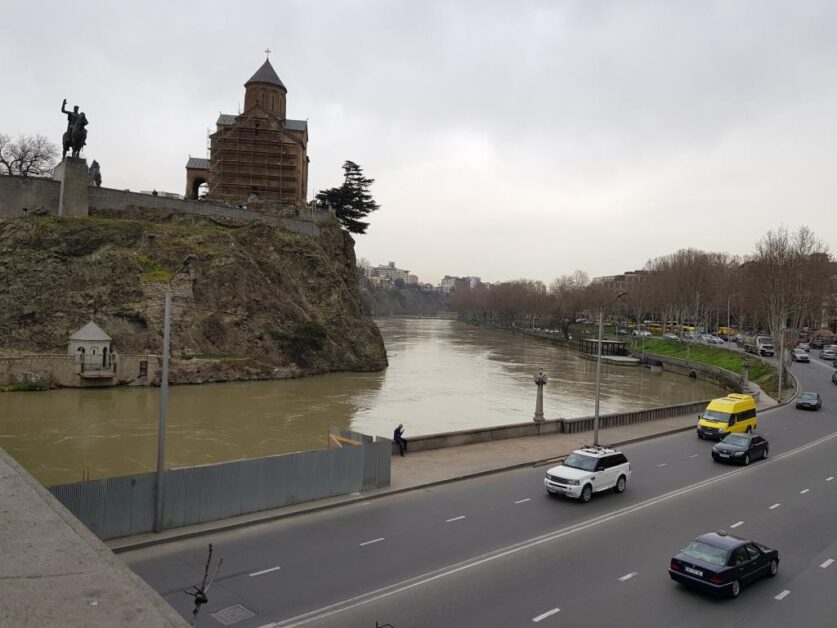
x=540, y=381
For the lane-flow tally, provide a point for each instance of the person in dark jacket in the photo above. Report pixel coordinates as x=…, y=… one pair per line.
x=399, y=438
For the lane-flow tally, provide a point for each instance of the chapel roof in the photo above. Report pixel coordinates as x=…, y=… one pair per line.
x=226, y=119
x=91, y=332
x=199, y=163
x=266, y=74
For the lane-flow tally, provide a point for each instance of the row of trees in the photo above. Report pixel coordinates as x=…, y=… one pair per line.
x=789, y=281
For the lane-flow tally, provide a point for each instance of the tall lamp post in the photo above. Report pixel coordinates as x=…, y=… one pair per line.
x=164, y=399
x=599, y=366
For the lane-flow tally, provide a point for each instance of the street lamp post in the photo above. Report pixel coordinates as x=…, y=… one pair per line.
x=540, y=381
x=164, y=399
x=599, y=367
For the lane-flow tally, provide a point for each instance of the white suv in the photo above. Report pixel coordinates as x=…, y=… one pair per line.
x=589, y=470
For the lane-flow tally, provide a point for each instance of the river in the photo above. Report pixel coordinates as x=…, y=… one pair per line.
x=443, y=376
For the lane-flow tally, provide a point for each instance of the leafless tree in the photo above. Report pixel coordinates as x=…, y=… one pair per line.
x=569, y=299
x=30, y=155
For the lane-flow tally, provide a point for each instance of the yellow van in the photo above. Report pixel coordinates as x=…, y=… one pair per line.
x=733, y=413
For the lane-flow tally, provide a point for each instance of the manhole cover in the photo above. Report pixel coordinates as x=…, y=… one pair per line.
x=233, y=614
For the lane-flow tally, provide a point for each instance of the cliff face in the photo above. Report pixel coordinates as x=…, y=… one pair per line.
x=406, y=301
x=259, y=302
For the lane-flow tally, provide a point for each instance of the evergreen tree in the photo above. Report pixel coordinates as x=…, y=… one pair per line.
x=352, y=200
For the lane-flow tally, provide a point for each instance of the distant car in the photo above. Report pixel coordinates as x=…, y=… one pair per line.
x=722, y=564
x=741, y=448
x=809, y=401
x=589, y=470
x=828, y=354
x=670, y=336
x=715, y=340
x=804, y=346
x=798, y=355
x=642, y=332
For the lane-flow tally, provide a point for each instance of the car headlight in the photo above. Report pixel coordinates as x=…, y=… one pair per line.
x=572, y=482
x=739, y=453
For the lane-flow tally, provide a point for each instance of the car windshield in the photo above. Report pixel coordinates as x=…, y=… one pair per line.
x=706, y=553
x=736, y=439
x=809, y=396
x=716, y=415
x=580, y=461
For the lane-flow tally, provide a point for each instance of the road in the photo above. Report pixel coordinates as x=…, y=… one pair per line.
x=497, y=551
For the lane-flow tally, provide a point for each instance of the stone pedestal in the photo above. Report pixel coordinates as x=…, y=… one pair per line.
x=73, y=201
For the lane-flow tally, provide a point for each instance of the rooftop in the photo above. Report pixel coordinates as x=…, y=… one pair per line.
x=266, y=74
x=226, y=119
x=91, y=332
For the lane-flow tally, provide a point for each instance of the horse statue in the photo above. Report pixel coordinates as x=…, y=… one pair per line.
x=76, y=135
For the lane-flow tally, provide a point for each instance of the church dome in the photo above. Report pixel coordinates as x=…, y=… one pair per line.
x=267, y=76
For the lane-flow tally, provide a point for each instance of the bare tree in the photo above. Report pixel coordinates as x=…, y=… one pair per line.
x=30, y=155
x=569, y=294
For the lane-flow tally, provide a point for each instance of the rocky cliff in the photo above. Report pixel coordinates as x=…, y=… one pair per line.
x=259, y=302
x=403, y=301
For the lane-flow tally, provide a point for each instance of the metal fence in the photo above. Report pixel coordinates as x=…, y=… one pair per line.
x=123, y=506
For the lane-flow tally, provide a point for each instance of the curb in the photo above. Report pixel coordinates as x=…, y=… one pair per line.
x=118, y=549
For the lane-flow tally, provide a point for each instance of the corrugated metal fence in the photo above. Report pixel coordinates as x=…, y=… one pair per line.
x=123, y=506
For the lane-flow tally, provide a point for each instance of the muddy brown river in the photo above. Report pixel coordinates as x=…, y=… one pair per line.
x=443, y=376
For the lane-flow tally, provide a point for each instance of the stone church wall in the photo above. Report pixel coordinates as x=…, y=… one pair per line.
x=65, y=371
x=40, y=195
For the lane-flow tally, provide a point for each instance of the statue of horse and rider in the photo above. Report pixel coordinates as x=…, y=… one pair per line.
x=76, y=135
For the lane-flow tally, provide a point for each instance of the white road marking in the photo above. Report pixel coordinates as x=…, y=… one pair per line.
x=693, y=456
x=829, y=478
x=405, y=585
x=520, y=501
x=782, y=595
x=827, y=563
x=775, y=506
x=455, y=519
x=378, y=540
x=264, y=571
x=738, y=523
x=543, y=616
x=662, y=464
x=804, y=490
x=628, y=576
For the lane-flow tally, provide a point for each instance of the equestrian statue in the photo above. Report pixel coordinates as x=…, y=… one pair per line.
x=76, y=135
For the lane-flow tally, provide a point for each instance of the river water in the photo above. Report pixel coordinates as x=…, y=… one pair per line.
x=443, y=376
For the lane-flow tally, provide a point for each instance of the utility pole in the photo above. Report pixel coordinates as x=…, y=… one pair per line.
x=781, y=359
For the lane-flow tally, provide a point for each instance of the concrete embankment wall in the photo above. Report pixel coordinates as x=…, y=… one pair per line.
x=552, y=426
x=54, y=572
x=123, y=506
x=66, y=370
x=704, y=372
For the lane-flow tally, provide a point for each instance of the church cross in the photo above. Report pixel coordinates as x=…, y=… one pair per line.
x=267, y=52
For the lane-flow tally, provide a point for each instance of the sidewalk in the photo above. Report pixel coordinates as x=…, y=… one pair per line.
x=437, y=466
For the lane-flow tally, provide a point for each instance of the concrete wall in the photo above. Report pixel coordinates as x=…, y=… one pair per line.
x=124, y=506
x=30, y=193
x=65, y=370
x=42, y=195
x=54, y=572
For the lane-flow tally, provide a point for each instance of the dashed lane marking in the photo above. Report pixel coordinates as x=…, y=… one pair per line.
x=804, y=490
x=775, y=506
x=782, y=595
x=455, y=519
x=628, y=576
x=520, y=501
x=378, y=540
x=827, y=563
x=662, y=464
x=736, y=524
x=396, y=588
x=829, y=478
x=543, y=616
x=264, y=571
x=693, y=456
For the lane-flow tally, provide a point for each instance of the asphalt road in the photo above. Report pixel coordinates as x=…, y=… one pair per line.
x=497, y=551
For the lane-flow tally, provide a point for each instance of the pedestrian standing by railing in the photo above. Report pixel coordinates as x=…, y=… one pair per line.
x=399, y=438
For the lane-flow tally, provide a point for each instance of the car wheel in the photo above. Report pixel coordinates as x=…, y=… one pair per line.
x=621, y=483
x=586, y=493
x=749, y=429
x=746, y=459
x=774, y=568
x=700, y=436
x=764, y=455
x=735, y=589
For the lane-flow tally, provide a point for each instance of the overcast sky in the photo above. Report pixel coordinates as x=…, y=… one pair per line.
x=507, y=139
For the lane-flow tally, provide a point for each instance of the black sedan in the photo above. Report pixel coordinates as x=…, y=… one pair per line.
x=809, y=401
x=741, y=448
x=721, y=563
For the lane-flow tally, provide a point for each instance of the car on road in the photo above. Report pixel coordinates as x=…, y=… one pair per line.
x=720, y=563
x=733, y=413
x=642, y=333
x=589, y=470
x=798, y=355
x=805, y=346
x=740, y=448
x=809, y=401
x=828, y=354
x=670, y=336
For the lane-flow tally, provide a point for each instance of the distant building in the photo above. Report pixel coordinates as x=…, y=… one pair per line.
x=621, y=282
x=257, y=155
x=391, y=272
x=449, y=282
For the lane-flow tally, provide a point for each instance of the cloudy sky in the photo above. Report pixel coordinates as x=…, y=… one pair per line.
x=507, y=139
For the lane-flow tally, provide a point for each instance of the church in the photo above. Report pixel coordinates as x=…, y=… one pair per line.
x=258, y=156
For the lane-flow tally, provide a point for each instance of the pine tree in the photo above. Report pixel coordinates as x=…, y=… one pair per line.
x=352, y=200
